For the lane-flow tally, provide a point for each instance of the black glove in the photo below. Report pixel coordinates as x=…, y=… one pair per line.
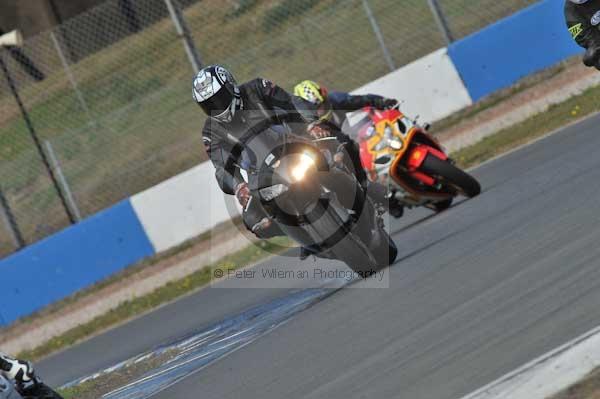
x=318, y=131
x=384, y=103
x=591, y=57
x=242, y=193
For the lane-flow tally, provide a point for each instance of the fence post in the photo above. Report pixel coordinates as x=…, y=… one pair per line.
x=34, y=136
x=63, y=182
x=184, y=33
x=379, y=35
x=11, y=221
x=441, y=21
x=70, y=76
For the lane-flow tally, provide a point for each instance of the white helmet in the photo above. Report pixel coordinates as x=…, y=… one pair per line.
x=217, y=93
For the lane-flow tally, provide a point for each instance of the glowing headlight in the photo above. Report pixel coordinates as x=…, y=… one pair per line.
x=395, y=144
x=269, y=193
x=305, y=163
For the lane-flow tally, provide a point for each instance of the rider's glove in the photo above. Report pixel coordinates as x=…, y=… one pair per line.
x=591, y=58
x=384, y=103
x=242, y=193
x=317, y=131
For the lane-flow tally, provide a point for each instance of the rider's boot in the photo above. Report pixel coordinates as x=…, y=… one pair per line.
x=314, y=250
x=266, y=228
x=396, y=208
x=307, y=251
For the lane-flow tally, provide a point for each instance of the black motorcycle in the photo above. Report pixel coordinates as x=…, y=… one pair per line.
x=315, y=199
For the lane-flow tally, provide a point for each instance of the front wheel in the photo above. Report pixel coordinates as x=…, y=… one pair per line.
x=451, y=175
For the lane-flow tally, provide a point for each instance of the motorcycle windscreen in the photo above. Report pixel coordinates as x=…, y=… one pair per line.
x=357, y=125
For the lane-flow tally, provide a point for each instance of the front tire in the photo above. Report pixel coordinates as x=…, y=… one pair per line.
x=451, y=175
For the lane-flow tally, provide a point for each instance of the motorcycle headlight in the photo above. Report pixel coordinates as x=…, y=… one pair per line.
x=299, y=170
x=269, y=193
x=395, y=144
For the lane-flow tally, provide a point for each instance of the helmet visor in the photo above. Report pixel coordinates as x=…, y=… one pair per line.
x=217, y=104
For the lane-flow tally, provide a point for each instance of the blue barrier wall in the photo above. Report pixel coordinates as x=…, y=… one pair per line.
x=501, y=54
x=70, y=260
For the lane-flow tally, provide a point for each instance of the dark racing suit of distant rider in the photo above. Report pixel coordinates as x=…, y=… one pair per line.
x=583, y=22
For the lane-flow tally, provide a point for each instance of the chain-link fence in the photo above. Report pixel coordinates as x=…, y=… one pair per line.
x=108, y=92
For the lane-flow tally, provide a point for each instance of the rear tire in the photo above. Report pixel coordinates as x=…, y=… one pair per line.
x=354, y=254
x=349, y=248
x=450, y=174
x=354, y=250
x=443, y=205
x=386, y=251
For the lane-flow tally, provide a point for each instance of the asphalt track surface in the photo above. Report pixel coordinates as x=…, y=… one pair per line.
x=476, y=292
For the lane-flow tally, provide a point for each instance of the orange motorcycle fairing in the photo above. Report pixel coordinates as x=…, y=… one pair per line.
x=411, y=142
x=403, y=180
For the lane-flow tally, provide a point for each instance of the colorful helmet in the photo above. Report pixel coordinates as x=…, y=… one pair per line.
x=217, y=92
x=316, y=95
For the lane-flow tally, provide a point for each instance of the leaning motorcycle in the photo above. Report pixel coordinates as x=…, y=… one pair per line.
x=315, y=200
x=399, y=152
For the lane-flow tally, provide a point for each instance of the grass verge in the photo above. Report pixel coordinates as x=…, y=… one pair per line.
x=587, y=388
x=106, y=383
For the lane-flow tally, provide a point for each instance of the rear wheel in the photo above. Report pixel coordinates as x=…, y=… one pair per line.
x=451, y=175
x=385, y=251
x=342, y=242
x=443, y=205
x=352, y=251
x=362, y=251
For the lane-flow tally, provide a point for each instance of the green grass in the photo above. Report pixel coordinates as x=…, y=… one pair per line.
x=143, y=126
x=104, y=384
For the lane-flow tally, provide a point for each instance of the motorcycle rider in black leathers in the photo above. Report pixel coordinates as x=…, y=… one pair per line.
x=22, y=375
x=334, y=107
x=240, y=111
x=583, y=21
